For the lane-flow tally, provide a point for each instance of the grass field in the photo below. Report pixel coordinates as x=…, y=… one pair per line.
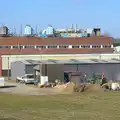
x=82, y=106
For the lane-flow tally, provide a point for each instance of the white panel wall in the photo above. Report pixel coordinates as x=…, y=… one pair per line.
x=13, y=58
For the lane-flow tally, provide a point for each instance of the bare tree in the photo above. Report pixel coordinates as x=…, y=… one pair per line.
x=106, y=34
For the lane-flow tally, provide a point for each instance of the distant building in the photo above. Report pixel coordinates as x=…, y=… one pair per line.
x=28, y=30
x=48, y=32
x=3, y=31
x=117, y=49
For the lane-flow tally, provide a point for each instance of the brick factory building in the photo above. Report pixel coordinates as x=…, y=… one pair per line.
x=27, y=46
x=37, y=45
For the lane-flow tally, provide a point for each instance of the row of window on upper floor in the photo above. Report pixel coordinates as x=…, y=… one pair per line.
x=56, y=46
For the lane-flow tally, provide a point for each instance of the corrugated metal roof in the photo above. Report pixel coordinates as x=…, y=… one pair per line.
x=68, y=61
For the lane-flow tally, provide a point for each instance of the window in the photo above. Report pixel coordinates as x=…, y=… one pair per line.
x=30, y=76
x=40, y=46
x=52, y=46
x=16, y=46
x=63, y=46
x=29, y=46
x=82, y=46
x=21, y=47
x=96, y=46
x=104, y=46
x=85, y=46
x=75, y=46
x=5, y=46
x=109, y=46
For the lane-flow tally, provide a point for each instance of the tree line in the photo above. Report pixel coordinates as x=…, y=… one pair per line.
x=116, y=42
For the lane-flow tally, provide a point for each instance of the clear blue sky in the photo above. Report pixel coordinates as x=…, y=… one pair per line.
x=62, y=13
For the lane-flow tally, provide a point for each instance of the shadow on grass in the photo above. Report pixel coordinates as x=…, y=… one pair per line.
x=7, y=119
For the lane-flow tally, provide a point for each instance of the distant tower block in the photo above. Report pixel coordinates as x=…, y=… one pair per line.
x=36, y=30
x=71, y=26
x=50, y=31
x=75, y=27
x=3, y=31
x=28, y=30
x=14, y=30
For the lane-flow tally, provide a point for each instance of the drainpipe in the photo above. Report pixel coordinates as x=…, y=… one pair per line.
x=100, y=56
x=77, y=68
x=40, y=66
x=8, y=68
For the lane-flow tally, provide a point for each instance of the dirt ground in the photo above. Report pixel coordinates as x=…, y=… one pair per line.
x=12, y=87
x=19, y=88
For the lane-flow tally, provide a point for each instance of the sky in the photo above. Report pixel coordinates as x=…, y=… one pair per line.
x=61, y=14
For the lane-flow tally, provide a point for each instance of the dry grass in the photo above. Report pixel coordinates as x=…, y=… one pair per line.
x=82, y=106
